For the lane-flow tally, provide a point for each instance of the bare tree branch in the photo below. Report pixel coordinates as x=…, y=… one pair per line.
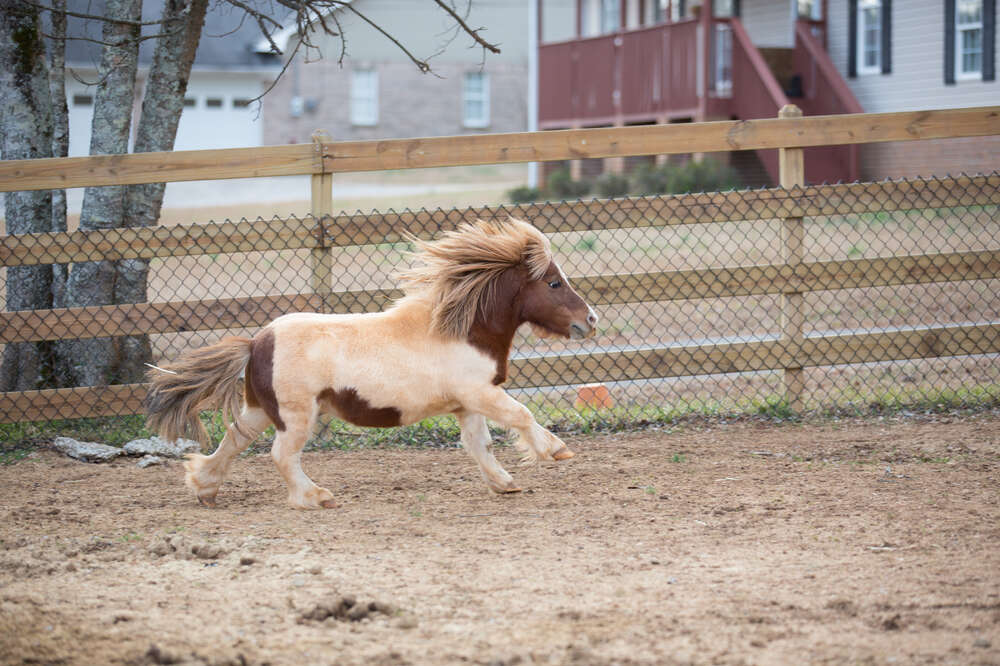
x=493, y=48
x=95, y=17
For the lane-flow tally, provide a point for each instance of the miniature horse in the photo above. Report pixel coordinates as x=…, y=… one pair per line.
x=440, y=349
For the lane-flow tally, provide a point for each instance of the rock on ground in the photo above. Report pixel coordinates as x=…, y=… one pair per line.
x=86, y=451
x=154, y=446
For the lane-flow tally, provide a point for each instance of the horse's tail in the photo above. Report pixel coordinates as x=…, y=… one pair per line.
x=208, y=377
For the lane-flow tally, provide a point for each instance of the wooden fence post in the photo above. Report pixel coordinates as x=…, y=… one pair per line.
x=791, y=167
x=322, y=210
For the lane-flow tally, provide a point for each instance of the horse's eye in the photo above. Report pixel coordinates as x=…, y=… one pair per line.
x=555, y=284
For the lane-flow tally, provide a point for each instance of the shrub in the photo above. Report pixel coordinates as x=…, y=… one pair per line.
x=706, y=176
x=612, y=185
x=649, y=179
x=562, y=186
x=524, y=195
x=709, y=175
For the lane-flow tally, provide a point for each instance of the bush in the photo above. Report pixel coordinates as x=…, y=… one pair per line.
x=706, y=176
x=562, y=186
x=612, y=185
x=524, y=195
x=649, y=179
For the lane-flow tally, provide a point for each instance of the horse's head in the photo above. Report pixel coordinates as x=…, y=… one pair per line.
x=553, y=308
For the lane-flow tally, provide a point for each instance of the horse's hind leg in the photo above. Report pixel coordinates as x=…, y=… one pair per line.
x=206, y=473
x=476, y=439
x=303, y=493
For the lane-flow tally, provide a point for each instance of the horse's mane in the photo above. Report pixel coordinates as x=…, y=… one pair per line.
x=459, y=272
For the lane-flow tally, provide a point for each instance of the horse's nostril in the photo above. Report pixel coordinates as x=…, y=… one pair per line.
x=592, y=319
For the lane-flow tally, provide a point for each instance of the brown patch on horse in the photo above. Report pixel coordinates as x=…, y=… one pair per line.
x=259, y=384
x=354, y=409
x=497, y=319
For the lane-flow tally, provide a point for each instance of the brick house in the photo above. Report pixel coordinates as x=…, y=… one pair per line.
x=377, y=92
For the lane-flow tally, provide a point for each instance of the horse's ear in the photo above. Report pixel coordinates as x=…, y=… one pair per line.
x=536, y=256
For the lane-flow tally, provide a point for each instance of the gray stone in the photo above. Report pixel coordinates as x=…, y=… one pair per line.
x=154, y=446
x=86, y=451
x=147, y=461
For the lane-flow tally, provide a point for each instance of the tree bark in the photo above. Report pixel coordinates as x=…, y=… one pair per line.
x=26, y=124
x=60, y=136
x=162, y=105
x=90, y=361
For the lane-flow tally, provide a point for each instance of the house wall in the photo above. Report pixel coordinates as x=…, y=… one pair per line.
x=915, y=83
x=410, y=103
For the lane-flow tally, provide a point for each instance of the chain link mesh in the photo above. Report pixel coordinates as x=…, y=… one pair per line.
x=893, y=303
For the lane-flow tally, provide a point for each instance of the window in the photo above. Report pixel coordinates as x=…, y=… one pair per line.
x=969, y=39
x=190, y=102
x=83, y=100
x=810, y=9
x=364, y=97
x=869, y=36
x=213, y=103
x=476, y=99
x=610, y=15
x=241, y=103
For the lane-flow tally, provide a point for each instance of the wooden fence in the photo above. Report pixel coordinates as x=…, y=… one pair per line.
x=324, y=231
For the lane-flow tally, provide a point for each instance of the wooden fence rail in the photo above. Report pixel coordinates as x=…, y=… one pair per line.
x=323, y=231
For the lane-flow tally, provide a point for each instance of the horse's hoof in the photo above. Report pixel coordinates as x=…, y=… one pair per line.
x=512, y=489
x=207, y=500
x=328, y=504
x=563, y=454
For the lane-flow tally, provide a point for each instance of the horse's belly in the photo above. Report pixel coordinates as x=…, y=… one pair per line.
x=355, y=409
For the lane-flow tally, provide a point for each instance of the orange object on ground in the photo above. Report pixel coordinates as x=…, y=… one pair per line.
x=594, y=396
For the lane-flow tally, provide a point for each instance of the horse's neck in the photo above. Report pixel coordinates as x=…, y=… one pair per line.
x=494, y=338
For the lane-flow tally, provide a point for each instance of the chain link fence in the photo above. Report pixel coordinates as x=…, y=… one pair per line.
x=828, y=299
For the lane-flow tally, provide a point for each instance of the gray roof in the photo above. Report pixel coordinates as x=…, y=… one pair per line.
x=227, y=41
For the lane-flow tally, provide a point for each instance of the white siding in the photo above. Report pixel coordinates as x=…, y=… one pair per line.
x=770, y=24
x=917, y=78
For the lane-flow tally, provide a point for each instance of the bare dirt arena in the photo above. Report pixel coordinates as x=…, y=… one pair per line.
x=852, y=542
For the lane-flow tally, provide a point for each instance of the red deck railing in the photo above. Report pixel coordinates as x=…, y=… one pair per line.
x=756, y=93
x=824, y=92
x=629, y=76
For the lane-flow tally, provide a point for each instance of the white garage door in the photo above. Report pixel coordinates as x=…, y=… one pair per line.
x=217, y=113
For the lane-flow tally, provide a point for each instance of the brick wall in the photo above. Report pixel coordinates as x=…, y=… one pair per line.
x=411, y=104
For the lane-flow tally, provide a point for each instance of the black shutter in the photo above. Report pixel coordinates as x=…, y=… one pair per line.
x=949, y=42
x=736, y=8
x=852, y=38
x=989, y=40
x=886, y=36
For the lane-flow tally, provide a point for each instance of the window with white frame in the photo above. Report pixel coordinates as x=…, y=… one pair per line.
x=364, y=97
x=869, y=36
x=476, y=99
x=969, y=39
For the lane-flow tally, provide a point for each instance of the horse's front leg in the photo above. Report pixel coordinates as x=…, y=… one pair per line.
x=534, y=441
x=476, y=440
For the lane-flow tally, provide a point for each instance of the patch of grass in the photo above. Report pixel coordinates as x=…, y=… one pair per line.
x=678, y=458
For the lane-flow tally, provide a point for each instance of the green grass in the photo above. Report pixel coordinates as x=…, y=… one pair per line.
x=17, y=441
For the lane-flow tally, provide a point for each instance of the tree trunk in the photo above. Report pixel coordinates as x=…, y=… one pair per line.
x=162, y=105
x=60, y=136
x=91, y=361
x=26, y=123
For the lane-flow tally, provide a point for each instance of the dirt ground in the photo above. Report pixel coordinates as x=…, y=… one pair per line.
x=850, y=542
